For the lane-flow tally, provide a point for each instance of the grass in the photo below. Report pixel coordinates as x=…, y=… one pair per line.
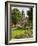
x=18, y=33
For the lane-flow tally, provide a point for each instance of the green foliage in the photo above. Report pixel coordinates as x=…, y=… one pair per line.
x=23, y=14
x=30, y=14
x=21, y=33
x=15, y=15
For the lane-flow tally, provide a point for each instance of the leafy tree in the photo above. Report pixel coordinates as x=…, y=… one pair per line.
x=15, y=15
x=30, y=14
x=23, y=14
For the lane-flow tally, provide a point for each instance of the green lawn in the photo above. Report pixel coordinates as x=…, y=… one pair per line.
x=20, y=33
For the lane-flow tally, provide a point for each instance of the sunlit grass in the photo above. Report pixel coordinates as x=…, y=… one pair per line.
x=21, y=33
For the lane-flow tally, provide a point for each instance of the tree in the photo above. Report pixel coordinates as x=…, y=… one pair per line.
x=24, y=20
x=30, y=14
x=23, y=14
x=15, y=15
